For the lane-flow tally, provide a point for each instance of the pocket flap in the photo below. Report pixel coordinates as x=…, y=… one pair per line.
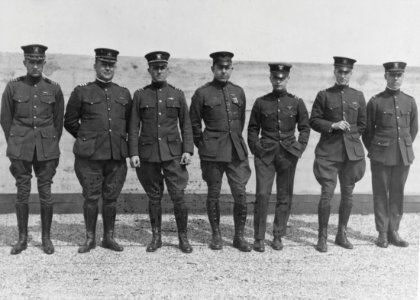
x=173, y=103
x=20, y=98
x=92, y=100
x=147, y=104
x=354, y=106
x=381, y=141
x=87, y=135
x=173, y=138
x=212, y=101
x=48, y=133
x=408, y=141
x=49, y=99
x=17, y=132
x=211, y=134
x=147, y=140
x=122, y=100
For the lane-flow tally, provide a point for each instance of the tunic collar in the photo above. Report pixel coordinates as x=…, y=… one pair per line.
x=219, y=84
x=159, y=85
x=33, y=80
x=103, y=84
x=392, y=92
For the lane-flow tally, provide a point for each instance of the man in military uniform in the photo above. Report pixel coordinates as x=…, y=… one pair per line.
x=339, y=114
x=97, y=116
x=32, y=109
x=277, y=151
x=392, y=125
x=161, y=152
x=221, y=105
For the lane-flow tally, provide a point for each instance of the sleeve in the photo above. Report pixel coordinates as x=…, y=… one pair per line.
x=303, y=124
x=414, y=121
x=361, y=115
x=73, y=113
x=7, y=111
x=59, y=112
x=134, y=126
x=254, y=126
x=317, y=120
x=185, y=126
x=370, y=124
x=195, y=117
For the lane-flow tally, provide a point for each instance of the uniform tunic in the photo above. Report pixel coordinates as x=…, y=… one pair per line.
x=392, y=125
x=275, y=116
x=97, y=116
x=160, y=131
x=32, y=119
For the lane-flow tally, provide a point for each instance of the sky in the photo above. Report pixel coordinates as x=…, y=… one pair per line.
x=371, y=31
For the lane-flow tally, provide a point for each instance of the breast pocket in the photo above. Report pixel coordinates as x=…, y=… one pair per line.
x=213, y=108
x=288, y=118
x=47, y=102
x=269, y=120
x=353, y=110
x=388, y=118
x=236, y=106
x=333, y=113
x=172, y=108
x=147, y=109
x=21, y=104
x=121, y=105
x=91, y=105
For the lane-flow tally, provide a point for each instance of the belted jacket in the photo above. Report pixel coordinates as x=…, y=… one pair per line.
x=97, y=116
x=158, y=111
x=332, y=105
x=392, y=125
x=32, y=118
x=221, y=106
x=275, y=116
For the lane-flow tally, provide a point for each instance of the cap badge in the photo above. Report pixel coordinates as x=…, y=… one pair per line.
x=159, y=56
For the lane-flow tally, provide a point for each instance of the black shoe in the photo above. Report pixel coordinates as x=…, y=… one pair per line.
x=216, y=241
x=241, y=244
x=395, y=239
x=277, y=243
x=259, y=245
x=156, y=242
x=341, y=239
x=21, y=245
x=382, y=240
x=90, y=214
x=184, y=245
x=89, y=244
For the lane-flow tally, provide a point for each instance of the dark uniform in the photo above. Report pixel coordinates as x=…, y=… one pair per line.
x=32, y=111
x=392, y=125
x=97, y=116
x=338, y=152
x=276, y=116
x=158, y=109
x=221, y=105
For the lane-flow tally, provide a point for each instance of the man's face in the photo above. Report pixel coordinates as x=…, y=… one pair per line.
x=104, y=70
x=34, y=67
x=222, y=72
x=159, y=72
x=394, y=80
x=342, y=75
x=279, y=81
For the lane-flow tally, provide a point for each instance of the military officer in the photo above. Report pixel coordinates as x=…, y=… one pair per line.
x=275, y=116
x=221, y=105
x=97, y=116
x=392, y=125
x=161, y=151
x=32, y=109
x=339, y=114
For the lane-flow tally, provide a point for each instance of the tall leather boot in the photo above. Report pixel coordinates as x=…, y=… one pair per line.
x=155, y=215
x=109, y=212
x=90, y=214
x=323, y=218
x=46, y=219
x=239, y=218
x=181, y=217
x=343, y=218
x=213, y=213
x=22, y=214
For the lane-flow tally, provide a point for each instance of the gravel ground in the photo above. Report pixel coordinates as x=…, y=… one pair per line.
x=297, y=272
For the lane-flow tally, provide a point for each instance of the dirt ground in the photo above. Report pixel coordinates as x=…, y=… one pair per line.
x=296, y=272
